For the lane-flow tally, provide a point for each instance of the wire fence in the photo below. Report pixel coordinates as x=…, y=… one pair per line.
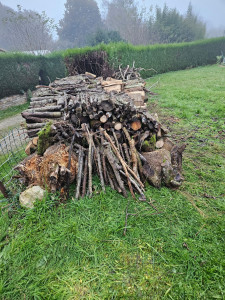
x=12, y=151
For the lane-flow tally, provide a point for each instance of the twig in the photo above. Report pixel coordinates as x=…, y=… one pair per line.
x=100, y=169
x=85, y=176
x=121, y=73
x=200, y=229
x=139, y=189
x=90, y=168
x=133, y=150
x=114, y=165
x=122, y=162
x=69, y=166
x=80, y=169
x=126, y=153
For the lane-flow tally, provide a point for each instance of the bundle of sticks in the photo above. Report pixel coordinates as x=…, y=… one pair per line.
x=116, y=164
x=130, y=72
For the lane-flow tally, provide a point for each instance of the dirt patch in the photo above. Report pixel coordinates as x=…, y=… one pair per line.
x=10, y=123
x=15, y=100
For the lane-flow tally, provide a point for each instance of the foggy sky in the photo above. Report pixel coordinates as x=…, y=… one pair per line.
x=210, y=11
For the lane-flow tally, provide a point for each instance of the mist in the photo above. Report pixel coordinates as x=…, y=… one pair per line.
x=211, y=12
x=101, y=22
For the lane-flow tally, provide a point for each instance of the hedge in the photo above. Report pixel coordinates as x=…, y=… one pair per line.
x=19, y=72
x=161, y=58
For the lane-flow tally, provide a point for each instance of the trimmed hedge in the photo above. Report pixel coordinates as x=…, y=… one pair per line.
x=162, y=58
x=53, y=67
x=20, y=72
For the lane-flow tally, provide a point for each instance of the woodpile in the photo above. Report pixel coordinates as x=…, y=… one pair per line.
x=82, y=98
x=89, y=126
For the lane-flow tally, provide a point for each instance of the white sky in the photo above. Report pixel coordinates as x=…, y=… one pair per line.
x=210, y=11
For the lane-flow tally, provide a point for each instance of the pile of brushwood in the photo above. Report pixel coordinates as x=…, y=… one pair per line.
x=83, y=126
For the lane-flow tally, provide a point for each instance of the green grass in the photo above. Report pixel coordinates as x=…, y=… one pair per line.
x=12, y=111
x=77, y=250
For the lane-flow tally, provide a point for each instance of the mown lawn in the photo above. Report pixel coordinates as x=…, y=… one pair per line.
x=12, y=111
x=174, y=250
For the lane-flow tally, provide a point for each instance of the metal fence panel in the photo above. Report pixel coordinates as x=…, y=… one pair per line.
x=12, y=147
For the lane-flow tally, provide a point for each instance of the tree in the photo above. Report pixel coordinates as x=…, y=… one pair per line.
x=81, y=19
x=27, y=30
x=125, y=17
x=4, y=41
x=104, y=36
x=169, y=26
x=195, y=28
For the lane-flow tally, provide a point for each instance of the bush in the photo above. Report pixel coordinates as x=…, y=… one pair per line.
x=104, y=36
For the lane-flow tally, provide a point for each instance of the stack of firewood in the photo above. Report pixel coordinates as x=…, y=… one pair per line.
x=101, y=131
x=83, y=98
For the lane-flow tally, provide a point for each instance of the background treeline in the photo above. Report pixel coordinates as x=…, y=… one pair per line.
x=82, y=25
x=20, y=72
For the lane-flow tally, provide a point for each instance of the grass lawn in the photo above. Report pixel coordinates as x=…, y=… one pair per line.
x=173, y=251
x=12, y=111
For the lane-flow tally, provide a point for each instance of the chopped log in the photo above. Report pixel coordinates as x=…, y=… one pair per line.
x=103, y=119
x=36, y=99
x=107, y=105
x=168, y=144
x=111, y=81
x=118, y=126
x=136, y=125
x=176, y=157
x=35, y=125
x=37, y=104
x=33, y=132
x=90, y=75
x=30, y=148
x=35, y=141
x=44, y=109
x=159, y=144
x=30, y=119
x=46, y=114
x=113, y=88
